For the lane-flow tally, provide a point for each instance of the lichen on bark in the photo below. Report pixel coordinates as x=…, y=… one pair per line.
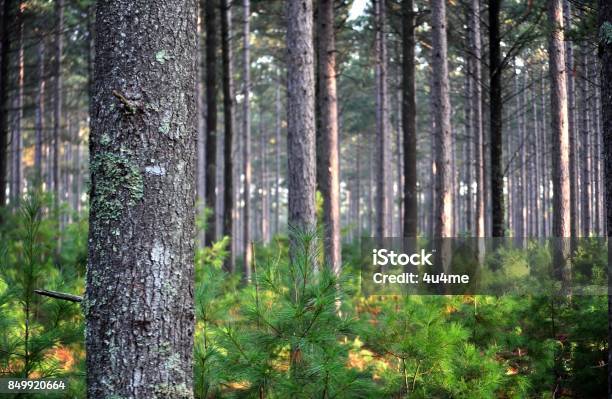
x=119, y=183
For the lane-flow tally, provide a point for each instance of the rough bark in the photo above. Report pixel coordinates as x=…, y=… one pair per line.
x=442, y=132
x=210, y=25
x=228, y=124
x=496, y=115
x=300, y=115
x=57, y=100
x=559, y=122
x=410, y=228
x=246, y=141
x=139, y=298
x=328, y=108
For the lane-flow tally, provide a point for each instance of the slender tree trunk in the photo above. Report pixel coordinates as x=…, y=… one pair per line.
x=496, y=112
x=571, y=106
x=263, y=173
x=585, y=127
x=477, y=125
x=39, y=113
x=605, y=56
x=210, y=23
x=409, y=120
x=441, y=111
x=300, y=115
x=539, y=232
x=382, y=134
x=545, y=149
x=560, y=139
x=139, y=300
x=328, y=107
x=277, y=148
x=57, y=100
x=5, y=42
x=17, y=140
x=76, y=173
x=228, y=124
x=201, y=107
x=467, y=145
x=246, y=142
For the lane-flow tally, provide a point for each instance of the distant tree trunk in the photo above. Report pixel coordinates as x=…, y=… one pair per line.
x=17, y=141
x=246, y=142
x=605, y=56
x=467, y=146
x=409, y=120
x=263, y=173
x=585, y=160
x=370, y=185
x=441, y=111
x=228, y=124
x=496, y=104
x=328, y=108
x=210, y=24
x=300, y=115
x=545, y=149
x=39, y=113
x=538, y=231
x=139, y=299
x=571, y=106
x=201, y=115
x=57, y=100
x=76, y=173
x=477, y=125
x=357, y=190
x=5, y=41
x=382, y=134
x=277, y=177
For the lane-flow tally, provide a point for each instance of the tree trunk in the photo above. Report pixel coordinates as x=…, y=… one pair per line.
x=263, y=173
x=57, y=100
x=442, y=132
x=382, y=134
x=559, y=123
x=605, y=56
x=409, y=120
x=328, y=108
x=210, y=21
x=277, y=148
x=496, y=112
x=201, y=115
x=571, y=106
x=228, y=124
x=139, y=300
x=467, y=146
x=300, y=115
x=585, y=160
x=17, y=140
x=246, y=142
x=5, y=41
x=477, y=126
x=39, y=113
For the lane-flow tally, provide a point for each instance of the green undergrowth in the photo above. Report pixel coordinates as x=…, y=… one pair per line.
x=296, y=331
